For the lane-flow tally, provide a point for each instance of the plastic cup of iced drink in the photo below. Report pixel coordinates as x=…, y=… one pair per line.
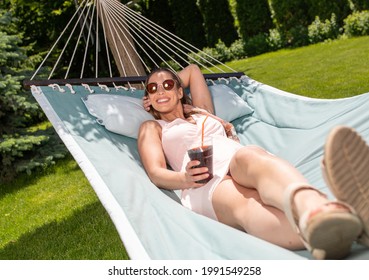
x=204, y=154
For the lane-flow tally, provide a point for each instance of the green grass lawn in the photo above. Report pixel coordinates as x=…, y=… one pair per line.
x=327, y=70
x=56, y=215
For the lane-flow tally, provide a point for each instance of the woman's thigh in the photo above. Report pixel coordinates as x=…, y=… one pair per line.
x=242, y=208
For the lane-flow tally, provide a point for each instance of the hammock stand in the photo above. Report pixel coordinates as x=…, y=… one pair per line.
x=151, y=222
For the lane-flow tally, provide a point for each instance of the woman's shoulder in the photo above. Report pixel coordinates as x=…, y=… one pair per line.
x=150, y=123
x=150, y=126
x=149, y=130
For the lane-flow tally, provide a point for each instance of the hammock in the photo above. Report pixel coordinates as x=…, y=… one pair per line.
x=87, y=115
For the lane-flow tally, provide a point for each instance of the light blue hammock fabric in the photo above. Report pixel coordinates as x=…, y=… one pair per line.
x=151, y=222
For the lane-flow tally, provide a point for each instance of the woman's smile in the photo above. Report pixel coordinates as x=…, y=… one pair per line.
x=162, y=100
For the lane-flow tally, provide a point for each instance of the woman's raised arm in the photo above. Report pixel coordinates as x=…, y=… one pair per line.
x=193, y=78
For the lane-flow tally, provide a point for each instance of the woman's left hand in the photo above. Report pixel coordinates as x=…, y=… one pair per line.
x=187, y=109
x=228, y=127
x=230, y=131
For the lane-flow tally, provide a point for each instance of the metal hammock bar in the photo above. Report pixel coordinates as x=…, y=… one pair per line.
x=117, y=80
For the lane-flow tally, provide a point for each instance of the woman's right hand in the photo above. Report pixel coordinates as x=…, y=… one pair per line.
x=194, y=174
x=146, y=103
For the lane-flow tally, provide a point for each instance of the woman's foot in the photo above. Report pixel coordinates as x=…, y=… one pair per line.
x=327, y=231
x=346, y=171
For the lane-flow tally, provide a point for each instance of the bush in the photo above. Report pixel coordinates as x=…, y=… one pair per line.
x=206, y=55
x=24, y=152
x=220, y=52
x=357, y=24
x=360, y=5
x=257, y=45
x=320, y=31
x=275, y=40
x=297, y=36
x=237, y=50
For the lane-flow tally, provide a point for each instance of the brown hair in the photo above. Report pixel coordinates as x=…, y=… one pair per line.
x=184, y=100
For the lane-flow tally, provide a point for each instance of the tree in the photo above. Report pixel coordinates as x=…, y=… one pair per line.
x=291, y=18
x=19, y=145
x=188, y=22
x=42, y=21
x=16, y=110
x=219, y=22
x=254, y=17
x=290, y=13
x=325, y=8
x=159, y=11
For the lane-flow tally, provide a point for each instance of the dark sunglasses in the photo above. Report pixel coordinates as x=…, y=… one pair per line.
x=167, y=85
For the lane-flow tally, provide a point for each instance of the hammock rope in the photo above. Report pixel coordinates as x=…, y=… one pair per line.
x=139, y=32
x=115, y=24
x=131, y=35
x=79, y=38
x=166, y=36
x=55, y=44
x=88, y=40
x=106, y=47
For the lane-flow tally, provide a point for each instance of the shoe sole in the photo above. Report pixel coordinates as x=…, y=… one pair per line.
x=332, y=234
x=346, y=160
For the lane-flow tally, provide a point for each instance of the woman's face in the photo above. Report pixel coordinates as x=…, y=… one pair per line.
x=165, y=98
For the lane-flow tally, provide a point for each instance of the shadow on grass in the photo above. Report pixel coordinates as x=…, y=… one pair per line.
x=87, y=235
x=24, y=180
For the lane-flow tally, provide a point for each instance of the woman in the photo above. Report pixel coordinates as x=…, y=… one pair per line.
x=252, y=190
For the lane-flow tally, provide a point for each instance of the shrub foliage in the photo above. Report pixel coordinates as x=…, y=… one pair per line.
x=21, y=148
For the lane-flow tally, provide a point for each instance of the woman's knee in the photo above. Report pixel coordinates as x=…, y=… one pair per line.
x=250, y=155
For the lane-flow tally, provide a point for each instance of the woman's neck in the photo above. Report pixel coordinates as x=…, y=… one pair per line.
x=169, y=117
x=175, y=113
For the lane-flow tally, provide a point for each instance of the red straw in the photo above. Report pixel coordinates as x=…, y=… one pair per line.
x=202, y=131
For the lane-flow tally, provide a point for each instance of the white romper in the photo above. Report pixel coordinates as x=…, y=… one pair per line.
x=175, y=138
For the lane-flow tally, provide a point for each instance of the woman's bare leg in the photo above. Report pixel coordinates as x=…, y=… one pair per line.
x=253, y=167
x=243, y=209
x=253, y=199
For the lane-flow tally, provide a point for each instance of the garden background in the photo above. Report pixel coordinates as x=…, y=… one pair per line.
x=43, y=192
